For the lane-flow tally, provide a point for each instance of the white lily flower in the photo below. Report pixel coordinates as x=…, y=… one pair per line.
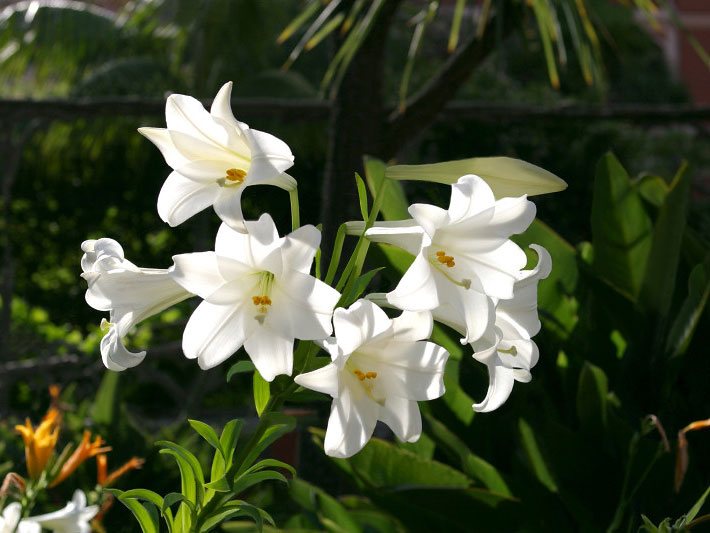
x=381, y=367
x=257, y=293
x=214, y=158
x=74, y=517
x=506, y=347
x=10, y=521
x=464, y=256
x=130, y=293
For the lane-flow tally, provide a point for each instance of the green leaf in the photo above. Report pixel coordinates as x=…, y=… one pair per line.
x=190, y=470
x=460, y=403
x=471, y=464
x=275, y=426
x=592, y=392
x=381, y=464
x=293, y=26
x=228, y=442
x=316, y=500
x=534, y=456
x=262, y=392
x=621, y=229
x=358, y=287
x=144, y=494
x=244, y=481
x=362, y=196
x=394, y=205
x=174, y=497
x=146, y=515
x=456, y=25
x=271, y=463
x=688, y=316
x=697, y=506
x=103, y=410
x=660, y=273
x=207, y=433
x=219, y=485
x=240, y=367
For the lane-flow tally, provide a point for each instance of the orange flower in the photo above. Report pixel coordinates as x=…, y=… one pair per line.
x=105, y=480
x=40, y=442
x=84, y=451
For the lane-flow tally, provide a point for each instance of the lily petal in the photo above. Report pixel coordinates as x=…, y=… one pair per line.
x=180, y=198
x=416, y=290
x=403, y=418
x=351, y=424
x=358, y=324
x=324, y=379
x=500, y=385
x=271, y=353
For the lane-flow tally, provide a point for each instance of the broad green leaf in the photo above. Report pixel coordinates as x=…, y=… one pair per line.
x=381, y=464
x=660, y=273
x=653, y=189
x=207, y=433
x=592, y=406
x=145, y=514
x=219, y=485
x=394, y=204
x=506, y=176
x=262, y=392
x=240, y=367
x=460, y=403
x=687, y=318
x=534, y=456
x=318, y=501
x=621, y=229
x=106, y=402
x=362, y=196
x=473, y=465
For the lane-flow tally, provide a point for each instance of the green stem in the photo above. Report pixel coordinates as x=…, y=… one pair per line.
x=295, y=209
x=335, y=258
x=354, y=266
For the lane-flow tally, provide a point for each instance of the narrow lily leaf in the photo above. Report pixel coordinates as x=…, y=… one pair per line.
x=381, y=464
x=660, y=275
x=362, y=196
x=471, y=464
x=692, y=309
x=240, y=367
x=220, y=485
x=299, y=21
x=146, y=514
x=103, y=410
x=592, y=399
x=335, y=257
x=249, y=480
x=358, y=287
x=414, y=46
x=190, y=470
x=310, y=32
x=207, y=433
x=456, y=25
x=262, y=392
x=326, y=30
x=544, y=21
x=621, y=229
x=144, y=494
x=352, y=15
x=504, y=175
x=535, y=457
x=275, y=425
x=228, y=442
x=318, y=501
x=697, y=506
x=394, y=204
x=271, y=463
x=174, y=497
x=222, y=516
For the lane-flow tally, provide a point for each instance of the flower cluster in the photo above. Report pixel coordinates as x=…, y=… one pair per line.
x=258, y=292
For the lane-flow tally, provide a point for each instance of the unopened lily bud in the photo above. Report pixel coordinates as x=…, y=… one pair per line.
x=504, y=175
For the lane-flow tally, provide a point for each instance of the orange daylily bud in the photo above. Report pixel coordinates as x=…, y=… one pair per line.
x=101, y=468
x=134, y=463
x=681, y=463
x=40, y=442
x=84, y=451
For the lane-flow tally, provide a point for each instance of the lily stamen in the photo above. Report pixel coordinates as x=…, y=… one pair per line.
x=235, y=175
x=362, y=376
x=444, y=259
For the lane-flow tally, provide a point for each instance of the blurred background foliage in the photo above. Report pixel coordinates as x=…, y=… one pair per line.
x=625, y=326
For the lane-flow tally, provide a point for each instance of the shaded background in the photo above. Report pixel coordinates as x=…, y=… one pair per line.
x=77, y=80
